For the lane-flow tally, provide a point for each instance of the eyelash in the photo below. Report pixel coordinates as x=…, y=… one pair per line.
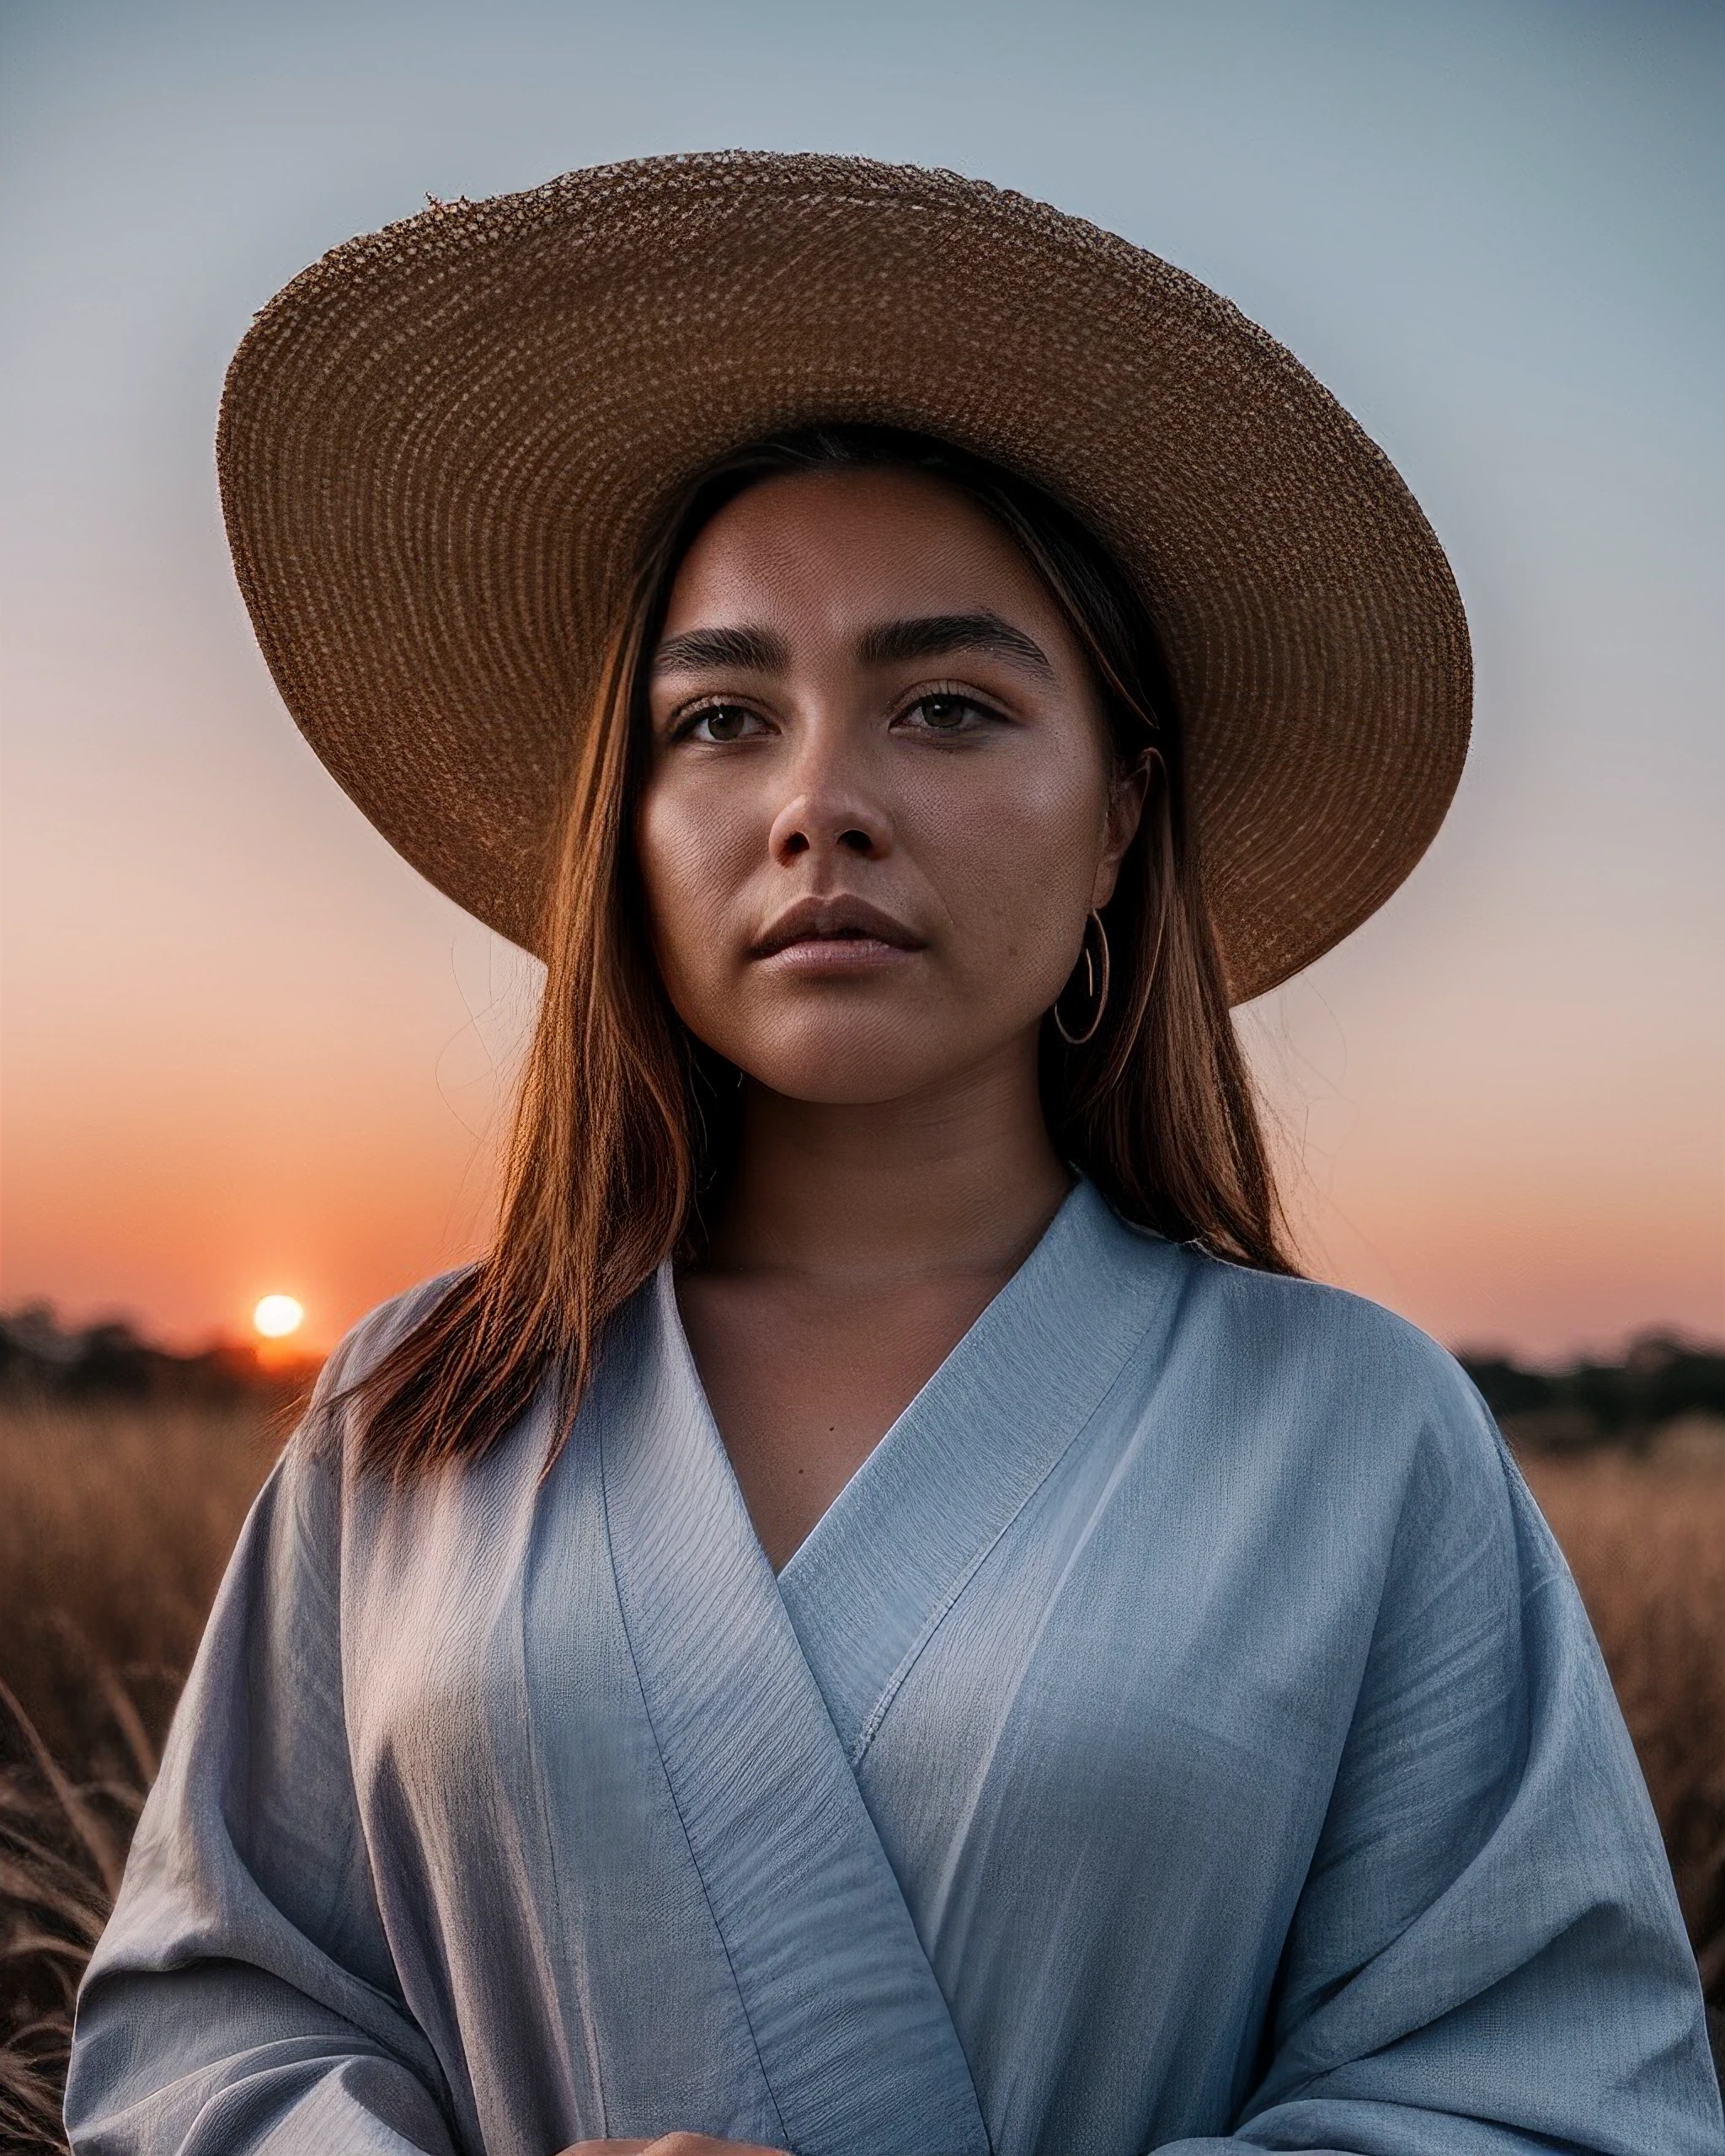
x=684, y=723
x=951, y=693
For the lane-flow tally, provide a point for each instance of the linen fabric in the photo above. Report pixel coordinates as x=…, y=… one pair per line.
x=1182, y=1734
x=443, y=447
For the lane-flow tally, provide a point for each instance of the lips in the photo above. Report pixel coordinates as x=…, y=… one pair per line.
x=836, y=921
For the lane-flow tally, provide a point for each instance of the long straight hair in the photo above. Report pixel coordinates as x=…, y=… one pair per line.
x=625, y=1130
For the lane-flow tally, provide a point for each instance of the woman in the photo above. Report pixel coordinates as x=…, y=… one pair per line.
x=883, y=1618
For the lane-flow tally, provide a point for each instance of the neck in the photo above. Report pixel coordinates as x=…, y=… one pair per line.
x=960, y=1177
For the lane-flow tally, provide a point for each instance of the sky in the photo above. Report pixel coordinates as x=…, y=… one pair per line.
x=246, y=1050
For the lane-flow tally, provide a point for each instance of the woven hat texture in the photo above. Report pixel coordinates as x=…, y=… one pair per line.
x=442, y=446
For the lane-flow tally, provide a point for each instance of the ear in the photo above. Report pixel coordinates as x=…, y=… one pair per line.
x=1128, y=792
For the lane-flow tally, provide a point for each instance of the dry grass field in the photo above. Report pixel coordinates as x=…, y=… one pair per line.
x=115, y=1522
x=1645, y=1537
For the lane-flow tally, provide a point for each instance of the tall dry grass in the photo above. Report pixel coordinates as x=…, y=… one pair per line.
x=62, y=1846
x=115, y=1523
x=1645, y=1537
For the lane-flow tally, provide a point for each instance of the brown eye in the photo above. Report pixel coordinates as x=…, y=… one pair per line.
x=942, y=712
x=946, y=712
x=722, y=722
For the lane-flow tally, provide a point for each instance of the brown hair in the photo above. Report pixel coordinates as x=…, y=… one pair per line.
x=624, y=1129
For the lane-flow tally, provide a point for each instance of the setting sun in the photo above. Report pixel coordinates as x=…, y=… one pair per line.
x=277, y=1315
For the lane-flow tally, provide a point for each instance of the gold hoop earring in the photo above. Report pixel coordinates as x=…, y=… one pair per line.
x=1096, y=983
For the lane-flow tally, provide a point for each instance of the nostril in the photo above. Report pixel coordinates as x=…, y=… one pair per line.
x=796, y=843
x=856, y=842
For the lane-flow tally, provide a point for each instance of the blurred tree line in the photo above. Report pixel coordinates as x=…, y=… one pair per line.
x=1661, y=1380
x=43, y=1361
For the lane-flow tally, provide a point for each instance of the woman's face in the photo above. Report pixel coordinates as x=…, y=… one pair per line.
x=880, y=800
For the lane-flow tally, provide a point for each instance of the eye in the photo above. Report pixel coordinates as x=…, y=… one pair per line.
x=720, y=724
x=946, y=712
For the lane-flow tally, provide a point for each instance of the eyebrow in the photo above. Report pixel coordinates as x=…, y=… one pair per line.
x=931, y=636
x=758, y=650
x=926, y=636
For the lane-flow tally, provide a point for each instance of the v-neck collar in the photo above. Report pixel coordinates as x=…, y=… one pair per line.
x=892, y=1551
x=851, y=2032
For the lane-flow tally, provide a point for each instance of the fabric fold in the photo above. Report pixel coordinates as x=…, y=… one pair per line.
x=851, y=2031
x=892, y=1552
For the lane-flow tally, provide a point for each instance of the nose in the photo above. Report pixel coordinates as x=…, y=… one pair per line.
x=830, y=810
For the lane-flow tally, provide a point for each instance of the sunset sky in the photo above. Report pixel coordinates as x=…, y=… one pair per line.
x=246, y=1050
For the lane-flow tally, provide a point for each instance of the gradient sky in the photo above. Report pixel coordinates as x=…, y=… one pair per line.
x=246, y=1049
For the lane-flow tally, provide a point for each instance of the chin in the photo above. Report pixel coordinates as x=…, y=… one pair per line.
x=857, y=1060
x=840, y=1080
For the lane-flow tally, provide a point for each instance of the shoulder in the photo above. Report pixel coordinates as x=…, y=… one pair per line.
x=318, y=1499
x=1330, y=1379
x=1356, y=1429
x=366, y=1343
x=326, y=1428
x=1293, y=1330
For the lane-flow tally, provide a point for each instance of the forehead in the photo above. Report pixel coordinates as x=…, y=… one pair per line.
x=840, y=549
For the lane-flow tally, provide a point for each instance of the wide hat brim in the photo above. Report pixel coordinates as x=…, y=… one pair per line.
x=442, y=446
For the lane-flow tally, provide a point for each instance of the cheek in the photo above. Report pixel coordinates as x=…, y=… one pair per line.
x=692, y=854
x=1014, y=858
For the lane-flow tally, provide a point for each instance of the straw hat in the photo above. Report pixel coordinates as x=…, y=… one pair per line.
x=442, y=447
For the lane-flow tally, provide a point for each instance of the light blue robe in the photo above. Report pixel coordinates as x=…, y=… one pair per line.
x=1182, y=1733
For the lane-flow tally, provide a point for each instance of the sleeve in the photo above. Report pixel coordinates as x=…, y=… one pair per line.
x=1486, y=1958
x=242, y=1997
